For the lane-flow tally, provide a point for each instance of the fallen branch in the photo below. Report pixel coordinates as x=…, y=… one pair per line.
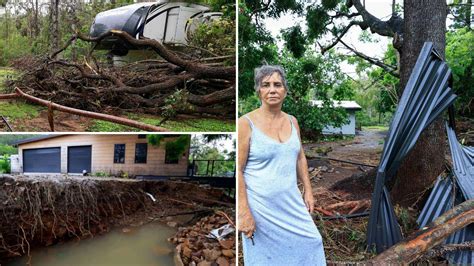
x=425, y=239
x=54, y=106
x=447, y=248
x=323, y=211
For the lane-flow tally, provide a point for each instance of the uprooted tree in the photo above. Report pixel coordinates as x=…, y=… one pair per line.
x=178, y=83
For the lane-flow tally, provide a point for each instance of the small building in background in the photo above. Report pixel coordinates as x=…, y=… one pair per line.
x=346, y=129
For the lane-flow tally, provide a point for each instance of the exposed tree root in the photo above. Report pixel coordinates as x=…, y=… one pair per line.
x=45, y=210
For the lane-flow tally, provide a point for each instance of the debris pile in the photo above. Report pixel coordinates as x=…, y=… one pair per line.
x=337, y=203
x=210, y=241
x=174, y=84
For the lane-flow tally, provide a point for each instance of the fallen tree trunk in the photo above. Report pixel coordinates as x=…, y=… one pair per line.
x=53, y=106
x=434, y=234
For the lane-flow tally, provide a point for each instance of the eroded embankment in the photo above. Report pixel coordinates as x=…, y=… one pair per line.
x=41, y=211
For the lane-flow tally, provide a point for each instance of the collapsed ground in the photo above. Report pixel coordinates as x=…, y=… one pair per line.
x=45, y=210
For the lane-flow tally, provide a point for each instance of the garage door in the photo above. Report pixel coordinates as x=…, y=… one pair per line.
x=45, y=160
x=79, y=159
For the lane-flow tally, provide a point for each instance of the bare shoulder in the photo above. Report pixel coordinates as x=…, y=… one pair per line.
x=244, y=128
x=295, y=122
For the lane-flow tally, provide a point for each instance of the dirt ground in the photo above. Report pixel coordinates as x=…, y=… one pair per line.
x=365, y=148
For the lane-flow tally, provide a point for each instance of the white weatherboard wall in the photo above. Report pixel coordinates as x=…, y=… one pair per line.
x=15, y=164
x=346, y=129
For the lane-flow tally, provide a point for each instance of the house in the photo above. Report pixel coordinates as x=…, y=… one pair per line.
x=110, y=154
x=347, y=129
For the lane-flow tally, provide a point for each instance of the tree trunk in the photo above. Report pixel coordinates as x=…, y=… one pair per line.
x=36, y=28
x=423, y=21
x=54, y=25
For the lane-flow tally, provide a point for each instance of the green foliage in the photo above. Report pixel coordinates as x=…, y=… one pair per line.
x=309, y=75
x=315, y=18
x=204, y=150
x=217, y=36
x=376, y=90
x=460, y=58
x=5, y=165
x=295, y=41
x=174, y=148
x=7, y=149
x=248, y=104
x=176, y=102
x=462, y=14
x=101, y=174
x=256, y=46
x=155, y=140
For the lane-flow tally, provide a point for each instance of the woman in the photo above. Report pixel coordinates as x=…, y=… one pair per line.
x=273, y=217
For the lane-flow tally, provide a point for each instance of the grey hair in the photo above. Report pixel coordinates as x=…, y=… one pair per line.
x=267, y=70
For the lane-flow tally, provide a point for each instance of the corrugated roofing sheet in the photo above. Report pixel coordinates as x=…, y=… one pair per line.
x=425, y=97
x=463, y=160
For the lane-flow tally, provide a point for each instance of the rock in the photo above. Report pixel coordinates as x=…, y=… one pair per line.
x=331, y=170
x=172, y=224
x=126, y=230
x=187, y=252
x=311, y=169
x=204, y=263
x=211, y=254
x=324, y=168
x=228, y=253
x=227, y=244
x=169, y=218
x=221, y=261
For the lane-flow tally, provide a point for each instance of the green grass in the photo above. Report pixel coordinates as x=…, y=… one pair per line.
x=198, y=124
x=380, y=128
x=19, y=110
x=6, y=73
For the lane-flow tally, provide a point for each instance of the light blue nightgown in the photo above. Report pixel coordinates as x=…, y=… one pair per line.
x=285, y=232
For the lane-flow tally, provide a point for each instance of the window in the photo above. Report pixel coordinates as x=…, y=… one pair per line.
x=170, y=156
x=140, y=152
x=119, y=153
x=141, y=136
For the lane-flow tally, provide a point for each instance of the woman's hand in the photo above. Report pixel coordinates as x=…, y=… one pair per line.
x=246, y=223
x=309, y=200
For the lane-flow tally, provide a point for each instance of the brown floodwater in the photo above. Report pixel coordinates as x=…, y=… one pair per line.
x=145, y=245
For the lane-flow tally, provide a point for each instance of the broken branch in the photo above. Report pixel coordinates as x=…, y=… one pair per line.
x=54, y=106
x=434, y=234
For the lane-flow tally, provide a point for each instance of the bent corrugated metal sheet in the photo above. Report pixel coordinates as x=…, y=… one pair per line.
x=452, y=191
x=425, y=97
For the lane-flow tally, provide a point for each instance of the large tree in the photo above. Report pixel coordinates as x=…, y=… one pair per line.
x=409, y=26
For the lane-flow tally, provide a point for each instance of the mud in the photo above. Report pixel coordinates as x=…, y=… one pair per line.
x=44, y=210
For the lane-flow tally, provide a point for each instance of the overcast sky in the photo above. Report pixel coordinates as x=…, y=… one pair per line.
x=379, y=8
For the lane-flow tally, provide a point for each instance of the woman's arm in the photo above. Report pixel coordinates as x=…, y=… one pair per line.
x=246, y=223
x=302, y=172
